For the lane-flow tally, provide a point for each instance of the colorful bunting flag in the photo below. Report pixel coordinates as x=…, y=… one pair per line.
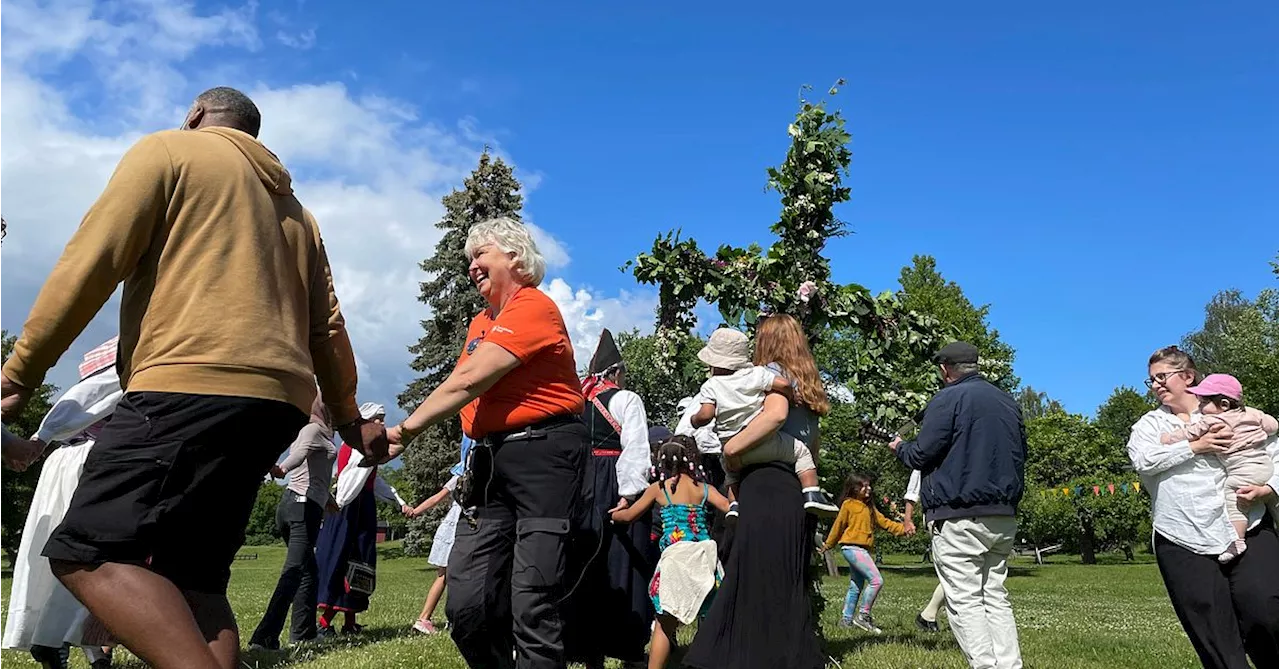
x=1112, y=489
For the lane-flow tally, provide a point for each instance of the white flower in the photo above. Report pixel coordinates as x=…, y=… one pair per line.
x=806, y=289
x=793, y=130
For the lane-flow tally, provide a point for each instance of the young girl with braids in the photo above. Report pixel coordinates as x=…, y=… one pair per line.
x=688, y=571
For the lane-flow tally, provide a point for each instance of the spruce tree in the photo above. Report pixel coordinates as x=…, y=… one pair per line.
x=490, y=191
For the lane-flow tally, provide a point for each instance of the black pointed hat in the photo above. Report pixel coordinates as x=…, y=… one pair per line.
x=607, y=354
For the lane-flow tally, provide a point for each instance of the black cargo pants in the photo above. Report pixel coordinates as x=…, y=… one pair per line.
x=506, y=576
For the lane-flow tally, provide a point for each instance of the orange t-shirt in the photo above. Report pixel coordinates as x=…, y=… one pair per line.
x=545, y=384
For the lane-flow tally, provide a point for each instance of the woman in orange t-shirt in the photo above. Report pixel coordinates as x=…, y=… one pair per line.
x=516, y=388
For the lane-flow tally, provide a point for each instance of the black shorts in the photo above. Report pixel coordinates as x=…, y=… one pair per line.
x=170, y=483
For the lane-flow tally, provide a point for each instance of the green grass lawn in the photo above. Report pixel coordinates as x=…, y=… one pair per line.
x=1110, y=616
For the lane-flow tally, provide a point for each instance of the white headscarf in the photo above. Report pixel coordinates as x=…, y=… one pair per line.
x=370, y=409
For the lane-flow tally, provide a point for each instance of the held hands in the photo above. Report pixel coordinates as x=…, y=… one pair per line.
x=20, y=453
x=621, y=506
x=1253, y=493
x=13, y=399
x=893, y=445
x=368, y=437
x=1215, y=441
x=277, y=472
x=909, y=526
x=399, y=441
x=408, y=511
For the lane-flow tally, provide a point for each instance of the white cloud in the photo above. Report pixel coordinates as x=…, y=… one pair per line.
x=302, y=41
x=552, y=250
x=370, y=169
x=133, y=46
x=586, y=314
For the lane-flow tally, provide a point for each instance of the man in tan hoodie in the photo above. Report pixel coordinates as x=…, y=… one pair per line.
x=227, y=322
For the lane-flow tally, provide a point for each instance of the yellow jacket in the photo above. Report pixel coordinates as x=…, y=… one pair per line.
x=854, y=525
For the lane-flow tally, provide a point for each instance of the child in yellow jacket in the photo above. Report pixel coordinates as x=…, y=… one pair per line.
x=854, y=531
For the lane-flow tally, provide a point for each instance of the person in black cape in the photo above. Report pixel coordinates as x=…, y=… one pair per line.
x=610, y=613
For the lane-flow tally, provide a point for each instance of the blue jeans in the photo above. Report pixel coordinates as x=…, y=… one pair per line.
x=864, y=581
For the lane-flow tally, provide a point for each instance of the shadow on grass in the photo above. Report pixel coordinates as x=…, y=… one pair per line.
x=841, y=647
x=289, y=656
x=903, y=571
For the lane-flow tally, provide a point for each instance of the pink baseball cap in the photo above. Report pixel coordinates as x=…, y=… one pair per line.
x=1218, y=384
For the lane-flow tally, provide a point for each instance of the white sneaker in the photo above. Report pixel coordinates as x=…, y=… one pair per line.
x=863, y=621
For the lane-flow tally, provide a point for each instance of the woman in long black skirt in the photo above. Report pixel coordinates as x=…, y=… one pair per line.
x=761, y=616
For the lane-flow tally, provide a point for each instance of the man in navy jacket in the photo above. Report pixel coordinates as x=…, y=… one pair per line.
x=971, y=452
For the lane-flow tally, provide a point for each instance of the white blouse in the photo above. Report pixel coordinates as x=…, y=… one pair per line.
x=705, y=436
x=633, y=465
x=913, y=487
x=352, y=479
x=1186, y=489
x=84, y=404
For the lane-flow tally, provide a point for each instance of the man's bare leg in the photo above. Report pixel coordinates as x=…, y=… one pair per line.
x=217, y=622
x=143, y=610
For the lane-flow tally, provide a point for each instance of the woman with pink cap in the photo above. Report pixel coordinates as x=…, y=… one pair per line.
x=1245, y=459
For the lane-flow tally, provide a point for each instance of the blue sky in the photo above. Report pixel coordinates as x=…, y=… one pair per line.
x=1039, y=154
x=1094, y=171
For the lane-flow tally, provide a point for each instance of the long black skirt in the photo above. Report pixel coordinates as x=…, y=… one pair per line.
x=761, y=616
x=350, y=534
x=610, y=613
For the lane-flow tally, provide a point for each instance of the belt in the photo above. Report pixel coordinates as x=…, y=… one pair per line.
x=299, y=498
x=529, y=433
x=605, y=452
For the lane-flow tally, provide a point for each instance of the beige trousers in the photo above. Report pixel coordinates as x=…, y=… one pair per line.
x=1248, y=467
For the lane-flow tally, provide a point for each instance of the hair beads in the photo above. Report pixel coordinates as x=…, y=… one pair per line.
x=678, y=457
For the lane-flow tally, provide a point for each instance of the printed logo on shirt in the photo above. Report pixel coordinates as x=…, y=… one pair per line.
x=471, y=345
x=499, y=328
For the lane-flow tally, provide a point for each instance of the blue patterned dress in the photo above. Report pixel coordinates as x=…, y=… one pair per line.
x=682, y=522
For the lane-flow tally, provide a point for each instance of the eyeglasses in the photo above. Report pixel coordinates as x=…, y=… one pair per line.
x=1160, y=377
